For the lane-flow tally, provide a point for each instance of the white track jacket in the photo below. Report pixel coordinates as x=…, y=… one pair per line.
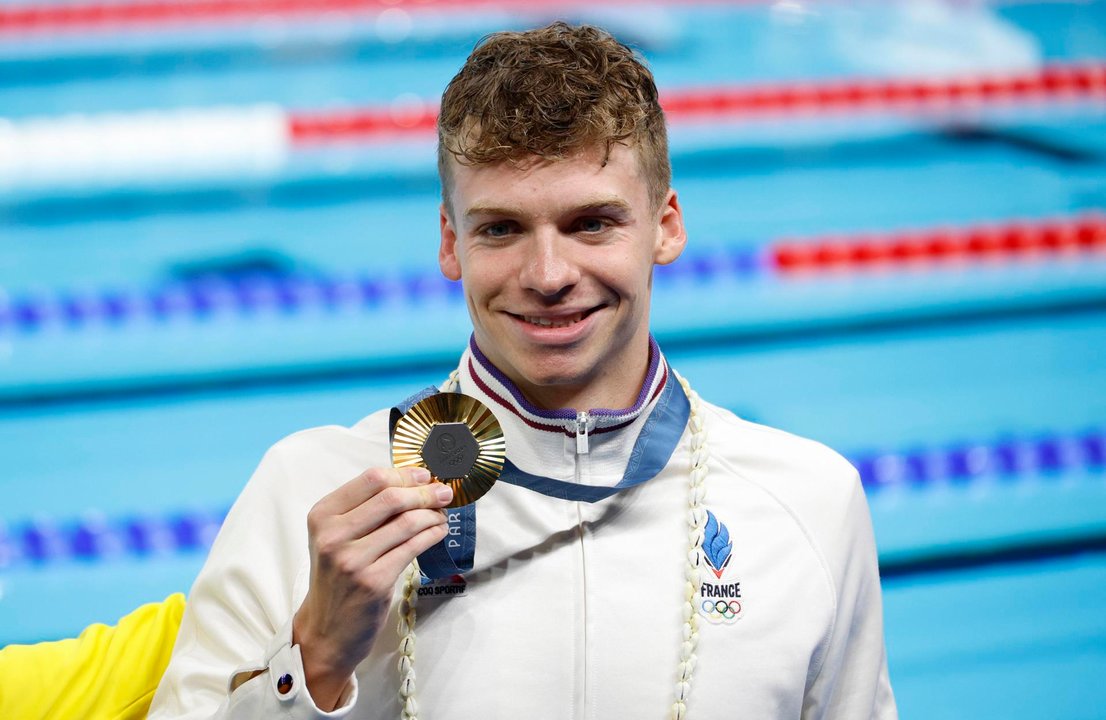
x=573, y=607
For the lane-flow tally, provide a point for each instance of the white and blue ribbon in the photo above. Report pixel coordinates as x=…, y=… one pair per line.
x=651, y=452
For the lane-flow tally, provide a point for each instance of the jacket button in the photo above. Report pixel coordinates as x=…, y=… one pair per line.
x=284, y=684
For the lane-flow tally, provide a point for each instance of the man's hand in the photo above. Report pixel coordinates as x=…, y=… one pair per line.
x=361, y=536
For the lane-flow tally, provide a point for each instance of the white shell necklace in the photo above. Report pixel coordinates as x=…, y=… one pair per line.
x=696, y=521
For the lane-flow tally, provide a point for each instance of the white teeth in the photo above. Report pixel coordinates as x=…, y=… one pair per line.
x=551, y=323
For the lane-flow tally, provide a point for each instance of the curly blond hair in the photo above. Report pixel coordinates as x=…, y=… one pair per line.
x=548, y=93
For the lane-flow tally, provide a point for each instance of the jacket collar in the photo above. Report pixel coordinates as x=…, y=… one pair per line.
x=546, y=442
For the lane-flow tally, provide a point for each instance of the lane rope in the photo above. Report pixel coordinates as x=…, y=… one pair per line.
x=930, y=97
x=937, y=247
x=1071, y=239
x=145, y=13
x=93, y=537
x=206, y=143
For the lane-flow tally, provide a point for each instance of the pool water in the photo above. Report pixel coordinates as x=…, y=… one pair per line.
x=919, y=283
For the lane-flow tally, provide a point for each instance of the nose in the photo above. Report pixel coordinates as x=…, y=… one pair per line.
x=548, y=268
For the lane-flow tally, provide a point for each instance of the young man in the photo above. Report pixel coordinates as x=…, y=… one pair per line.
x=662, y=559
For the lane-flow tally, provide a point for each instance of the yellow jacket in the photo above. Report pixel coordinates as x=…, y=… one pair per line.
x=107, y=673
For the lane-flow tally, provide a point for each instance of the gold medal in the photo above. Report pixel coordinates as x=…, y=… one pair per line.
x=457, y=438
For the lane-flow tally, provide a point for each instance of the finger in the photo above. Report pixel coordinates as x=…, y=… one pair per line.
x=393, y=501
x=367, y=485
x=394, y=533
x=392, y=563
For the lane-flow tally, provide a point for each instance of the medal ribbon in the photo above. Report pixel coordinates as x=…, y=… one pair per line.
x=651, y=452
x=655, y=445
x=455, y=554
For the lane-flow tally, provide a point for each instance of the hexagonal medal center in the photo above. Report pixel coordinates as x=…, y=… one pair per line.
x=450, y=450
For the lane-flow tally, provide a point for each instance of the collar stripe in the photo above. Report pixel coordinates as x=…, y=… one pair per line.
x=651, y=452
x=538, y=414
x=508, y=405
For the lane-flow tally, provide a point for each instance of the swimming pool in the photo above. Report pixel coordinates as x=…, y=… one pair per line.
x=898, y=248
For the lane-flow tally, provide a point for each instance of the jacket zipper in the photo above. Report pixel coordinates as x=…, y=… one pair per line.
x=582, y=432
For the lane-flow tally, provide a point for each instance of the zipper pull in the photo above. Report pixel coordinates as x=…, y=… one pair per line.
x=582, y=433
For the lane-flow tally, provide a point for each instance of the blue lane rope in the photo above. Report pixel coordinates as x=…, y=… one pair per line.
x=203, y=299
x=93, y=538
x=1007, y=458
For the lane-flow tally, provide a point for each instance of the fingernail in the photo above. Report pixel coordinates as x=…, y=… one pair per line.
x=443, y=492
x=421, y=476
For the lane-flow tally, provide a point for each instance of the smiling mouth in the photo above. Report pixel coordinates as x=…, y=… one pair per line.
x=560, y=321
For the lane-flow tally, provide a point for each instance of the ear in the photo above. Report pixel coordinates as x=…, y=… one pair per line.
x=447, y=251
x=671, y=235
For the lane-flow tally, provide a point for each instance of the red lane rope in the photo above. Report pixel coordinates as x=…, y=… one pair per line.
x=360, y=124
x=973, y=244
x=1050, y=83
x=143, y=12
x=1053, y=83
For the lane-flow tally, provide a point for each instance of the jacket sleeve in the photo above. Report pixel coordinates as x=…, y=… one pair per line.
x=233, y=656
x=852, y=681
x=107, y=672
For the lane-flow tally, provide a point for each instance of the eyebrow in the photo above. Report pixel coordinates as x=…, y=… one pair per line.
x=601, y=204
x=489, y=210
x=609, y=205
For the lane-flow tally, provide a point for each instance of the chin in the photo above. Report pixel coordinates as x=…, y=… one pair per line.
x=546, y=376
x=549, y=378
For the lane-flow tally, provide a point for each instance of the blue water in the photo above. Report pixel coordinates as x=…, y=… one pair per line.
x=140, y=416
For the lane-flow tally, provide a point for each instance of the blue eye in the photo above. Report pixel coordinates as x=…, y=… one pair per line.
x=497, y=230
x=591, y=225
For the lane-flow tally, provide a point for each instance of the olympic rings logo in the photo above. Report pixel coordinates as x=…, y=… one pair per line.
x=721, y=609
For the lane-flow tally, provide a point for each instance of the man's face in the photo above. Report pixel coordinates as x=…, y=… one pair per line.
x=556, y=259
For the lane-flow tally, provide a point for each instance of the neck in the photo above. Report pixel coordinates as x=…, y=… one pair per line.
x=620, y=392
x=614, y=387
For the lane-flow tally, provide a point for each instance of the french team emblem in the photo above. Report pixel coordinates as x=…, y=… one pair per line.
x=719, y=599
x=717, y=547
